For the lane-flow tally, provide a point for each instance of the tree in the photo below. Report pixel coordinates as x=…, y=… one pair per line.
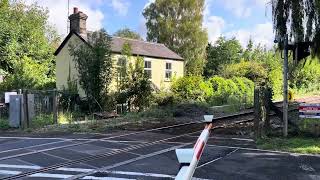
x=178, y=25
x=299, y=19
x=94, y=65
x=134, y=86
x=224, y=52
x=127, y=33
x=26, y=41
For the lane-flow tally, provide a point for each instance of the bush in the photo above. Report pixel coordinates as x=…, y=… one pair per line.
x=227, y=91
x=252, y=70
x=164, y=98
x=42, y=120
x=306, y=77
x=191, y=88
x=4, y=124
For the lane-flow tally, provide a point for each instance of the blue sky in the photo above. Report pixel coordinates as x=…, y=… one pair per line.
x=242, y=19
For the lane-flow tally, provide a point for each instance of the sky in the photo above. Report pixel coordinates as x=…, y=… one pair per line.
x=242, y=19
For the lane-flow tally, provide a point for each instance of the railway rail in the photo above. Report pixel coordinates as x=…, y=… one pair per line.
x=231, y=119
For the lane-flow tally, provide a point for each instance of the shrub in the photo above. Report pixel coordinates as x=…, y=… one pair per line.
x=252, y=70
x=4, y=124
x=42, y=120
x=226, y=91
x=191, y=88
x=164, y=98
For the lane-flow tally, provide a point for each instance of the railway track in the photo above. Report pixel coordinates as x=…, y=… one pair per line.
x=236, y=118
x=223, y=121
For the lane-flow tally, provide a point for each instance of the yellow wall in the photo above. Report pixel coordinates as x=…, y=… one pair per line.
x=64, y=61
x=65, y=64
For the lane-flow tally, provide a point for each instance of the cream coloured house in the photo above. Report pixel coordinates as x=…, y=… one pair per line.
x=161, y=64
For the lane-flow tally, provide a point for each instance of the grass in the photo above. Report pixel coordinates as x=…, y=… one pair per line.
x=293, y=144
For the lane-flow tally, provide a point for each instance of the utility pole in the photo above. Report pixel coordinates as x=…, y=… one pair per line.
x=285, y=87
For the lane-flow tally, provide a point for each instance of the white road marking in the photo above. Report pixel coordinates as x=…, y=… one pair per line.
x=238, y=139
x=263, y=150
x=47, y=175
x=204, y=164
x=105, y=169
x=61, y=176
x=104, y=178
x=28, y=147
x=306, y=167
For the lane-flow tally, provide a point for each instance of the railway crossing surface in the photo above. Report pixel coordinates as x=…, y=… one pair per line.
x=148, y=155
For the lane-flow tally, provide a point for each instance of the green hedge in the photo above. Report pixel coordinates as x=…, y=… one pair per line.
x=215, y=91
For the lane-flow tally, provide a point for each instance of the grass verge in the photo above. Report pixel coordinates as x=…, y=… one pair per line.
x=293, y=144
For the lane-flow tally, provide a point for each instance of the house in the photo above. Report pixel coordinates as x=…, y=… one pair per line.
x=160, y=62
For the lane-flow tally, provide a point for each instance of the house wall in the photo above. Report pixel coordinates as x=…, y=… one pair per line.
x=157, y=70
x=65, y=66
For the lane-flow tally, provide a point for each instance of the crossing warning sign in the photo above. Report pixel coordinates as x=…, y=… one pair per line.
x=309, y=110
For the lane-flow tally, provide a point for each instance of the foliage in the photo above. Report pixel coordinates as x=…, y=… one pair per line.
x=299, y=19
x=122, y=65
x=26, y=45
x=127, y=33
x=4, y=124
x=251, y=70
x=224, y=52
x=164, y=98
x=307, y=74
x=192, y=88
x=134, y=85
x=178, y=25
x=42, y=120
x=293, y=144
x=29, y=74
x=137, y=87
x=93, y=62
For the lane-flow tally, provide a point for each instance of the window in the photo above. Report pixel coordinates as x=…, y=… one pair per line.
x=168, y=71
x=147, y=68
x=122, y=68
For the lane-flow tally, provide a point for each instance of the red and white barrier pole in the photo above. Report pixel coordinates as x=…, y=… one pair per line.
x=189, y=158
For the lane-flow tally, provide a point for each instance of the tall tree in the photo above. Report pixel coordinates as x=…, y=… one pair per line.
x=26, y=41
x=94, y=65
x=178, y=25
x=127, y=33
x=299, y=18
x=225, y=51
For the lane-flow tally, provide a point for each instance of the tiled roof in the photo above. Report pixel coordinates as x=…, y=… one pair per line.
x=138, y=47
x=144, y=48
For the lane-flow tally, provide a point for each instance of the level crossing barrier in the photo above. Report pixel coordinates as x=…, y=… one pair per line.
x=189, y=158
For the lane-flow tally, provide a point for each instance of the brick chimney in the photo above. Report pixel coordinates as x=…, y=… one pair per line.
x=78, y=22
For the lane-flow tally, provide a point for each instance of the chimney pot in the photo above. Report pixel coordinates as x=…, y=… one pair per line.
x=78, y=22
x=75, y=10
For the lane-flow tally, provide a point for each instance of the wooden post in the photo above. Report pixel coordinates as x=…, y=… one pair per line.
x=26, y=122
x=55, y=106
x=257, y=112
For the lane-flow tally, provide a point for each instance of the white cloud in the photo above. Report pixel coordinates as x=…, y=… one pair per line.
x=58, y=12
x=239, y=8
x=120, y=6
x=260, y=34
x=148, y=3
x=214, y=26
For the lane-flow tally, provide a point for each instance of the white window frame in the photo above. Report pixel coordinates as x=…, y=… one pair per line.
x=148, y=69
x=168, y=70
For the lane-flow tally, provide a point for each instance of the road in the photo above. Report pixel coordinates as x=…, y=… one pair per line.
x=223, y=158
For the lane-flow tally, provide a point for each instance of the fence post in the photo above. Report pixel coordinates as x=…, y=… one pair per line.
x=257, y=112
x=55, y=107
x=25, y=109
